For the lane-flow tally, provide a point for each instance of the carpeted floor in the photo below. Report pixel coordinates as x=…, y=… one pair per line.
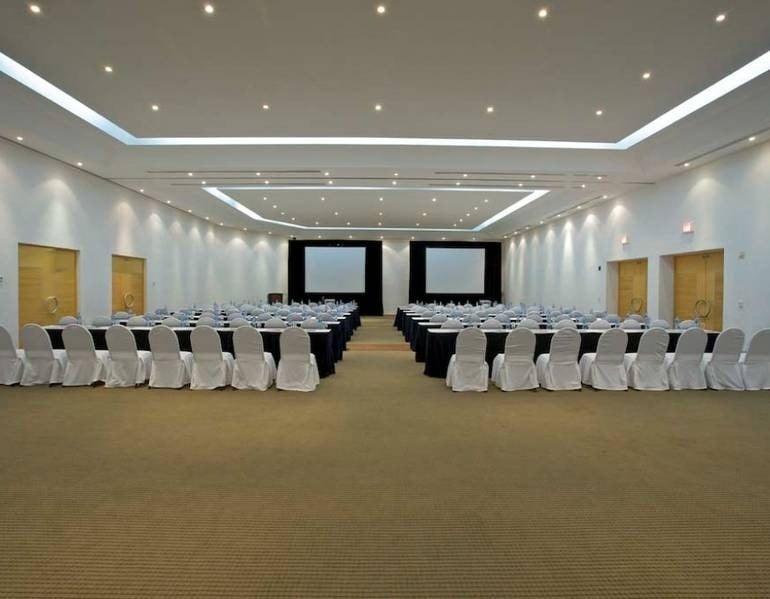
x=383, y=484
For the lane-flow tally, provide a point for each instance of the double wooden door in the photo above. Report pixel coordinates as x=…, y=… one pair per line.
x=699, y=288
x=48, y=284
x=632, y=287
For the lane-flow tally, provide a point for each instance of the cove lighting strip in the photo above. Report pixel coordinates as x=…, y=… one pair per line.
x=734, y=80
x=530, y=196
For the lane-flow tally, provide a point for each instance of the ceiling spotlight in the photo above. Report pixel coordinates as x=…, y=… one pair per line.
x=381, y=237
x=245, y=229
x=381, y=199
x=457, y=183
x=107, y=68
x=189, y=174
x=599, y=112
x=203, y=183
x=583, y=185
x=323, y=199
x=350, y=237
x=141, y=191
x=412, y=237
x=267, y=181
x=465, y=175
x=580, y=206
x=467, y=214
x=221, y=224
x=532, y=176
x=258, y=174
x=473, y=239
x=379, y=213
x=283, y=214
x=443, y=239
x=379, y=224
x=336, y=214
x=605, y=196
x=80, y=164
x=521, y=184
x=34, y=9
x=720, y=18
x=394, y=183
x=275, y=205
x=381, y=10
x=378, y=107
x=348, y=223
x=686, y=164
x=599, y=177
x=490, y=109
x=264, y=198
x=207, y=218
x=542, y=13
x=425, y=214
x=330, y=182
x=269, y=232
x=265, y=106
x=542, y=222
x=190, y=211
x=646, y=75
x=461, y=220
x=753, y=138
x=292, y=218
x=155, y=108
x=416, y=224
x=168, y=201
x=433, y=199
x=558, y=216
x=208, y=9
x=395, y=174
x=316, y=222
x=326, y=174
x=486, y=200
x=319, y=237
x=19, y=138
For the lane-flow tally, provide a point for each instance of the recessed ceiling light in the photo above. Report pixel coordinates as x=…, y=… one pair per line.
x=646, y=75
x=394, y=182
x=579, y=206
x=521, y=184
x=265, y=106
x=203, y=183
x=379, y=224
x=542, y=13
x=467, y=214
x=490, y=109
x=188, y=210
x=461, y=220
x=34, y=9
x=350, y=237
x=208, y=9
x=275, y=205
x=330, y=182
x=381, y=9
x=558, y=216
x=433, y=199
x=583, y=185
x=395, y=174
x=380, y=213
x=293, y=218
x=381, y=237
x=19, y=138
x=416, y=224
x=245, y=229
x=80, y=164
x=107, y=68
x=264, y=198
x=473, y=239
x=207, y=218
x=269, y=232
x=155, y=108
x=752, y=138
x=378, y=107
x=336, y=214
x=141, y=191
x=258, y=174
x=457, y=183
x=486, y=200
x=381, y=199
x=412, y=237
x=267, y=181
x=454, y=224
x=189, y=174
x=686, y=164
x=605, y=196
x=542, y=222
x=323, y=199
x=425, y=214
x=319, y=237
x=720, y=18
x=348, y=223
x=532, y=176
x=443, y=239
x=221, y=224
x=599, y=112
x=475, y=207
x=283, y=214
x=326, y=174
x=465, y=174
x=168, y=201
x=599, y=177
x=316, y=222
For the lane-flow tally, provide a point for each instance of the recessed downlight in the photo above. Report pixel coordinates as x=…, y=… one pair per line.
x=490, y=109
x=599, y=112
x=721, y=17
x=646, y=75
x=753, y=138
x=19, y=138
x=80, y=164
x=141, y=191
x=108, y=68
x=155, y=107
x=265, y=106
x=35, y=9
x=378, y=107
x=381, y=9
x=208, y=8
x=542, y=13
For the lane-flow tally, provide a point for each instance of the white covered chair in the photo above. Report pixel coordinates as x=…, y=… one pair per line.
x=491, y=323
x=684, y=366
x=660, y=323
x=127, y=366
x=101, y=321
x=254, y=367
x=312, y=323
x=205, y=321
x=468, y=369
x=528, y=323
x=65, y=320
x=275, y=323
x=136, y=321
x=239, y=322
x=212, y=368
x=755, y=365
x=85, y=365
x=566, y=323
x=599, y=324
x=688, y=324
x=171, y=321
x=170, y=367
x=42, y=364
x=721, y=365
x=646, y=369
x=11, y=359
x=558, y=370
x=514, y=370
x=630, y=324
x=297, y=369
x=604, y=369
x=636, y=317
x=451, y=323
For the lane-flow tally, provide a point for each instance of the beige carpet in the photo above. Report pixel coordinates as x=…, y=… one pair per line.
x=383, y=484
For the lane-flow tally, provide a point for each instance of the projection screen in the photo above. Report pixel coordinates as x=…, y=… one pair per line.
x=454, y=270
x=335, y=269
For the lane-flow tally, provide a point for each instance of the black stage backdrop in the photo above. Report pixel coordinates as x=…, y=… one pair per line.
x=369, y=302
x=493, y=271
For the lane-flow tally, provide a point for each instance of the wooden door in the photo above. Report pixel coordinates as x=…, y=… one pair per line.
x=48, y=284
x=127, y=284
x=632, y=287
x=699, y=288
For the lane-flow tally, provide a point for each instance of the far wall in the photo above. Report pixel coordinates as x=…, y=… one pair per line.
x=728, y=201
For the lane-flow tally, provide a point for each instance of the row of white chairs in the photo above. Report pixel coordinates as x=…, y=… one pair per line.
x=270, y=322
x=164, y=366
x=651, y=368
x=502, y=321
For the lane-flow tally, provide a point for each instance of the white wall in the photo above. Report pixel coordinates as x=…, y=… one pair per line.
x=727, y=200
x=45, y=202
x=395, y=275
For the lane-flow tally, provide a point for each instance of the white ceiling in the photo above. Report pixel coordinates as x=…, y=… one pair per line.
x=433, y=65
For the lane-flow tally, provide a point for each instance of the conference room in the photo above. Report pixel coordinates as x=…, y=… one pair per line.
x=404, y=299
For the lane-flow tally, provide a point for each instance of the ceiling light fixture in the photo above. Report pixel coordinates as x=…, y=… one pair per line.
x=141, y=191
x=720, y=18
x=646, y=75
x=433, y=199
x=599, y=112
x=326, y=174
x=107, y=68
x=35, y=9
x=203, y=183
x=686, y=165
x=381, y=9
x=753, y=138
x=155, y=108
x=490, y=109
x=542, y=13
x=265, y=106
x=80, y=164
x=189, y=174
x=378, y=107
x=19, y=138
x=208, y=9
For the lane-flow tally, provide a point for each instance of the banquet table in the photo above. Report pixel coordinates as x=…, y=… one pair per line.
x=440, y=345
x=321, y=342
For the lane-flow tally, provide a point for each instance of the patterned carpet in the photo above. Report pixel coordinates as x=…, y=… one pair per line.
x=383, y=484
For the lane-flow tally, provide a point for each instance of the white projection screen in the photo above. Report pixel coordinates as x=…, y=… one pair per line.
x=335, y=269
x=454, y=270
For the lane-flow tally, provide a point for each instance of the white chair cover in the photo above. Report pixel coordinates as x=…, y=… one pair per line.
x=212, y=368
x=101, y=321
x=685, y=368
x=121, y=315
x=11, y=359
x=688, y=324
x=297, y=369
x=312, y=323
x=239, y=322
x=514, y=370
x=755, y=365
x=254, y=368
x=136, y=321
x=535, y=317
x=646, y=369
x=171, y=321
x=566, y=323
x=630, y=323
x=439, y=318
x=275, y=323
x=722, y=369
x=170, y=367
x=660, y=324
x=126, y=367
x=528, y=323
x=636, y=317
x=600, y=324
x=85, y=365
x=205, y=321
x=468, y=369
x=65, y=320
x=42, y=364
x=491, y=323
x=604, y=369
x=451, y=323
x=558, y=370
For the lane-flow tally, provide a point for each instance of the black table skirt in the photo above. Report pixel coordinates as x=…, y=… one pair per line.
x=439, y=347
x=321, y=345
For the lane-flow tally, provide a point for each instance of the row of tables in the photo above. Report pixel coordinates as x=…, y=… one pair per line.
x=327, y=345
x=435, y=346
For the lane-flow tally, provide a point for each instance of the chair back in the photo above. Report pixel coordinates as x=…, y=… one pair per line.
x=528, y=323
x=247, y=342
x=295, y=344
x=600, y=324
x=164, y=344
x=471, y=345
x=759, y=348
x=120, y=343
x=565, y=346
x=275, y=323
x=660, y=324
x=612, y=318
x=630, y=323
x=439, y=318
x=520, y=345
x=171, y=321
x=65, y=320
x=136, y=321
x=205, y=321
x=295, y=317
x=473, y=317
x=78, y=342
x=728, y=346
x=37, y=343
x=691, y=345
x=612, y=346
x=206, y=344
x=7, y=348
x=121, y=315
x=239, y=322
x=562, y=317
x=491, y=323
x=688, y=324
x=264, y=316
x=312, y=323
x=568, y=323
x=636, y=317
x=451, y=323
x=535, y=316
x=652, y=346
x=101, y=321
